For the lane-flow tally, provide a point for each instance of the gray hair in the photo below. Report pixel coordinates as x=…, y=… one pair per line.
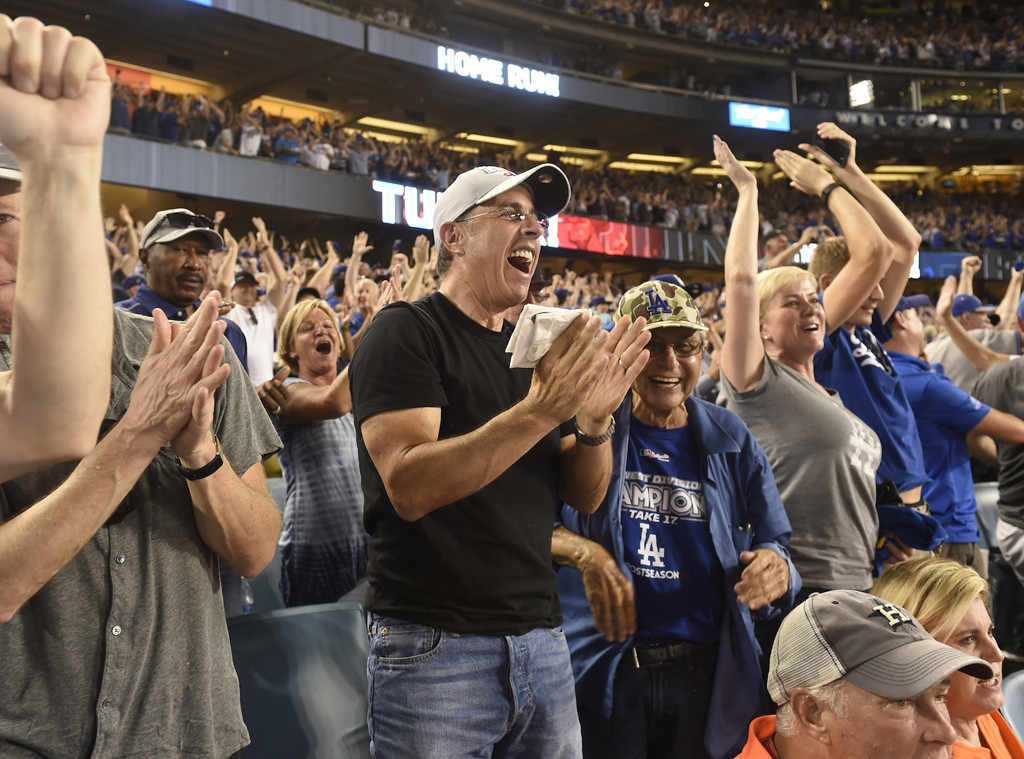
x=832, y=694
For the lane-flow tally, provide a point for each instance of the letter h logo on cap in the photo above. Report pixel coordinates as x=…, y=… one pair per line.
x=893, y=614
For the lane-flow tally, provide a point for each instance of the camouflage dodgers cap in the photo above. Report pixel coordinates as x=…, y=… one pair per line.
x=874, y=644
x=662, y=304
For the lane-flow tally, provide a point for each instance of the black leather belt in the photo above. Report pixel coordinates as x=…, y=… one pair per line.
x=668, y=653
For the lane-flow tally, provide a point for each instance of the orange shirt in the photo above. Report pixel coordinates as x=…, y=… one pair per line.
x=1000, y=742
x=759, y=739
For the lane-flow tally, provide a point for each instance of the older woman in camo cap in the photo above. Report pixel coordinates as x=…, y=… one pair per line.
x=659, y=586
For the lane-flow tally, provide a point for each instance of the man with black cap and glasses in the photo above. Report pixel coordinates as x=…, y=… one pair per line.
x=465, y=463
x=52, y=404
x=112, y=632
x=175, y=249
x=854, y=676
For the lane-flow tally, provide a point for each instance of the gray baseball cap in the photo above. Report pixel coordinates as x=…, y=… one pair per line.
x=8, y=166
x=874, y=644
x=550, y=186
x=175, y=223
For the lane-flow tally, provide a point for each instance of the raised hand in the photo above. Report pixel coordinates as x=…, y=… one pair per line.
x=626, y=359
x=54, y=90
x=736, y=171
x=971, y=265
x=421, y=250
x=827, y=130
x=360, y=244
x=125, y=216
x=805, y=175
x=183, y=360
x=944, y=306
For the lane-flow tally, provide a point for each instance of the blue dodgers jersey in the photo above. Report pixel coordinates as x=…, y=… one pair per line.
x=677, y=578
x=945, y=414
x=856, y=365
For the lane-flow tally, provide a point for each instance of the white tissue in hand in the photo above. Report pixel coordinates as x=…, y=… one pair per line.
x=538, y=327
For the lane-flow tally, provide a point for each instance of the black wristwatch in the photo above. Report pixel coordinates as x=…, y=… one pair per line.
x=601, y=439
x=207, y=469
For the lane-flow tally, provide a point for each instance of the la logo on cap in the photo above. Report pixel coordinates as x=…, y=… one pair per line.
x=893, y=614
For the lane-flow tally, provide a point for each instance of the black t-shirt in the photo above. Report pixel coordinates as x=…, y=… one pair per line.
x=482, y=564
x=1002, y=388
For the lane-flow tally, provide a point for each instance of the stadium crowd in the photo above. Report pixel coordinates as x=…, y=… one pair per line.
x=970, y=36
x=733, y=479
x=957, y=221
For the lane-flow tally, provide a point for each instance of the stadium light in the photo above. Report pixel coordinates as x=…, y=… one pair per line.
x=659, y=158
x=862, y=94
x=538, y=157
x=748, y=164
x=486, y=138
x=893, y=177
x=395, y=126
x=457, y=148
x=569, y=149
x=709, y=171
x=658, y=168
x=901, y=169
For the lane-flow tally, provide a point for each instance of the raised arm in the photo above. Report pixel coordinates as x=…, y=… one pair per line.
x=322, y=279
x=870, y=252
x=359, y=247
x=969, y=266
x=131, y=240
x=54, y=119
x=266, y=251
x=226, y=273
x=894, y=225
x=743, y=352
x=414, y=286
x=1008, y=306
x=981, y=356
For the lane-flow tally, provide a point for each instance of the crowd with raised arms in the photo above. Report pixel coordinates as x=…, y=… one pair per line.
x=656, y=518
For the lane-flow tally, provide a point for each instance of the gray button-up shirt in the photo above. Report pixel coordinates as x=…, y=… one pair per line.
x=125, y=652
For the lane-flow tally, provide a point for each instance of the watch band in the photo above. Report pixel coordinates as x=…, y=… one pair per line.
x=829, y=190
x=601, y=439
x=207, y=469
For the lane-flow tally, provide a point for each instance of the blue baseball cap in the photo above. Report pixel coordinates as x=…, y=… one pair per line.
x=970, y=304
x=913, y=301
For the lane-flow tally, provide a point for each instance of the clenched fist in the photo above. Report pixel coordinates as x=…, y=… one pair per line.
x=54, y=91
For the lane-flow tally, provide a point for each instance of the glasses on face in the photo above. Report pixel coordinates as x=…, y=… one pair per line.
x=682, y=349
x=511, y=213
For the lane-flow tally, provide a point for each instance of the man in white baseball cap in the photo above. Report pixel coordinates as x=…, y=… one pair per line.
x=854, y=677
x=464, y=465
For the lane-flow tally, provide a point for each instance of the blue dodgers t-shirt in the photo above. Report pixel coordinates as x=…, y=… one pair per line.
x=677, y=578
x=856, y=365
x=945, y=414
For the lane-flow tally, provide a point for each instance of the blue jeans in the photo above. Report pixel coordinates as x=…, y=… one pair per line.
x=435, y=694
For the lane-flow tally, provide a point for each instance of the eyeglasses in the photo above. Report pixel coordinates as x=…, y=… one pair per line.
x=682, y=349
x=511, y=213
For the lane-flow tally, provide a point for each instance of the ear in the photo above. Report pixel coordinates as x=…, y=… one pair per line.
x=453, y=236
x=812, y=715
x=825, y=280
x=900, y=318
x=144, y=257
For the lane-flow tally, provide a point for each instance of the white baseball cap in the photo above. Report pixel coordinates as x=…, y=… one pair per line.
x=550, y=187
x=8, y=166
x=174, y=223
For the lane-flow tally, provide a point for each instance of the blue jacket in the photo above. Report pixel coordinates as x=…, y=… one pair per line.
x=745, y=513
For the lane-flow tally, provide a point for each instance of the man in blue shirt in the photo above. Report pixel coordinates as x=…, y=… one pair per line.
x=660, y=584
x=945, y=416
x=175, y=251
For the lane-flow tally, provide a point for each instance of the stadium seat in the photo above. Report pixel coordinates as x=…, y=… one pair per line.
x=302, y=674
x=987, y=494
x=1013, y=708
